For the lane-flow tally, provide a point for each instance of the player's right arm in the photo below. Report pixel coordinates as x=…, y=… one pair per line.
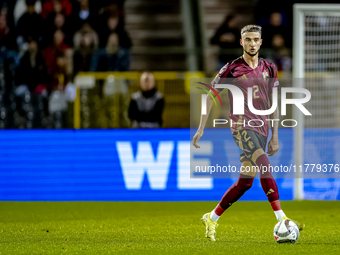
x=223, y=73
x=203, y=120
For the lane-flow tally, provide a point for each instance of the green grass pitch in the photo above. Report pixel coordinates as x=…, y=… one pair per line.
x=161, y=228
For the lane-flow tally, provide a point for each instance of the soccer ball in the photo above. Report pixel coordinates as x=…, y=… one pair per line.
x=286, y=231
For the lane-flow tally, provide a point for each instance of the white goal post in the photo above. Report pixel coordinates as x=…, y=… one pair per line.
x=316, y=45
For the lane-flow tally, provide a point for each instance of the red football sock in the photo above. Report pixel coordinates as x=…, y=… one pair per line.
x=267, y=181
x=276, y=205
x=234, y=193
x=219, y=210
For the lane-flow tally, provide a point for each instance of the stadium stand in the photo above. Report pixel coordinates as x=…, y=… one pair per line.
x=158, y=36
x=101, y=36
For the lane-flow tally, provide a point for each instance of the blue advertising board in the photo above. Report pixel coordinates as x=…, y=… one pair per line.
x=131, y=165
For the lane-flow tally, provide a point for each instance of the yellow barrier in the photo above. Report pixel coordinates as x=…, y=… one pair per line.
x=76, y=110
x=175, y=87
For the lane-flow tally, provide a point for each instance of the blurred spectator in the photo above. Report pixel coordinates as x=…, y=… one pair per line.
x=7, y=10
x=8, y=63
x=8, y=57
x=30, y=23
x=280, y=55
x=227, y=37
x=31, y=73
x=112, y=57
x=56, y=6
x=275, y=27
x=146, y=106
x=60, y=77
x=20, y=8
x=58, y=21
x=7, y=36
x=113, y=26
x=105, y=5
x=108, y=8
x=82, y=14
x=85, y=29
x=85, y=43
x=4, y=29
x=84, y=10
x=51, y=55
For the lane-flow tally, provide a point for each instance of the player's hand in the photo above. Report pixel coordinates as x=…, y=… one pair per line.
x=273, y=147
x=197, y=137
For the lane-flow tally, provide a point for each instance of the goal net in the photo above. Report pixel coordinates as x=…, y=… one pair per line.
x=316, y=56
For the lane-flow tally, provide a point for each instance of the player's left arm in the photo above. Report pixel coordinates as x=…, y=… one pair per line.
x=273, y=145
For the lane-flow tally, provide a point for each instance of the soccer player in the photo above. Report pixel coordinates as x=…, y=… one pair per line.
x=244, y=71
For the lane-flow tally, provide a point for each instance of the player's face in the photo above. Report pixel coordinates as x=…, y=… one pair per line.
x=251, y=42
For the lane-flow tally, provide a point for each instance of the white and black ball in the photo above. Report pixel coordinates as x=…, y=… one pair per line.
x=286, y=231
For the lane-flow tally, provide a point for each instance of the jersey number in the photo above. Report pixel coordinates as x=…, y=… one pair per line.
x=256, y=87
x=246, y=137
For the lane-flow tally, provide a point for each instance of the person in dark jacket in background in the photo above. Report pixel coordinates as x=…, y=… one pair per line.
x=30, y=23
x=227, y=37
x=146, y=106
x=32, y=71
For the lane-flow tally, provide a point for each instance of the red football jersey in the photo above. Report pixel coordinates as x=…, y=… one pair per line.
x=262, y=79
